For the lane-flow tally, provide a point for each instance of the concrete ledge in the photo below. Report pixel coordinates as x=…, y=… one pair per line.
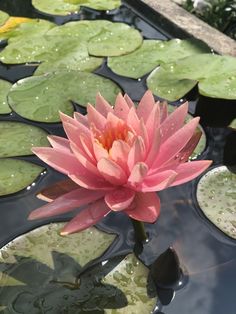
x=192, y=26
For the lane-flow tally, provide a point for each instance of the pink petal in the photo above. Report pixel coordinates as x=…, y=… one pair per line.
x=147, y=207
x=158, y=181
x=153, y=122
x=59, y=142
x=119, y=199
x=119, y=153
x=190, y=170
x=112, y=172
x=154, y=149
x=99, y=151
x=175, y=143
x=145, y=105
x=138, y=173
x=86, y=218
x=121, y=108
x=163, y=111
x=90, y=181
x=87, y=146
x=143, y=133
x=174, y=122
x=58, y=159
x=73, y=132
x=66, y=203
x=102, y=105
x=95, y=117
x=113, y=120
x=133, y=120
x=129, y=101
x=81, y=119
x=67, y=119
x=137, y=153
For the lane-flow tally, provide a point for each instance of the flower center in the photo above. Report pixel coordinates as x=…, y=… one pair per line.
x=113, y=133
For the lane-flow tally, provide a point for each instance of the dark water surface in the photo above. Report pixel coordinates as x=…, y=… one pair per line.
x=207, y=256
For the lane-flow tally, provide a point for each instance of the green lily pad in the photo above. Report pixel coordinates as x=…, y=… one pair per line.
x=69, y=55
x=12, y=23
x=3, y=17
x=17, y=139
x=4, y=89
x=115, y=40
x=151, y=54
x=130, y=276
x=64, y=7
x=15, y=175
x=40, y=98
x=233, y=124
x=216, y=196
x=214, y=73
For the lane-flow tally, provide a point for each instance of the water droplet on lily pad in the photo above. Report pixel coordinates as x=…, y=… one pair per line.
x=15, y=175
x=17, y=139
x=4, y=89
x=216, y=196
x=63, y=87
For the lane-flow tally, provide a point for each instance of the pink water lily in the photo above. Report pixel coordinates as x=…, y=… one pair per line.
x=120, y=157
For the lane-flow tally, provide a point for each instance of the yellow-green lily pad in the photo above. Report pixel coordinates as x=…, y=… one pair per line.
x=151, y=54
x=17, y=139
x=50, y=280
x=16, y=175
x=101, y=5
x=40, y=98
x=215, y=74
x=4, y=89
x=233, y=124
x=115, y=40
x=11, y=24
x=3, y=17
x=216, y=196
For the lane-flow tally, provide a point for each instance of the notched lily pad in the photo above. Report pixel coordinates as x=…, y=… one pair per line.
x=40, y=98
x=115, y=40
x=216, y=196
x=17, y=139
x=151, y=54
x=4, y=89
x=15, y=175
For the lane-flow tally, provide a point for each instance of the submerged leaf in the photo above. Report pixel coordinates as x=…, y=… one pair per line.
x=151, y=54
x=41, y=98
x=15, y=175
x=17, y=139
x=5, y=86
x=216, y=196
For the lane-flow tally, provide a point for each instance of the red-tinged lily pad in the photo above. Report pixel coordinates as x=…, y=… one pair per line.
x=16, y=175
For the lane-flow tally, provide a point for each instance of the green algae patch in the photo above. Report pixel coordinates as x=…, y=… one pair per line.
x=16, y=175
x=4, y=89
x=216, y=196
x=151, y=54
x=40, y=98
x=17, y=139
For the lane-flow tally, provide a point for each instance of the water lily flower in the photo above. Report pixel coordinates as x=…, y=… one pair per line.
x=118, y=158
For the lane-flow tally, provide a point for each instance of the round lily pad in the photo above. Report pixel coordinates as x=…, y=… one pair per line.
x=215, y=74
x=15, y=175
x=69, y=55
x=3, y=17
x=115, y=40
x=130, y=276
x=216, y=196
x=40, y=98
x=50, y=280
x=4, y=89
x=17, y=139
x=151, y=54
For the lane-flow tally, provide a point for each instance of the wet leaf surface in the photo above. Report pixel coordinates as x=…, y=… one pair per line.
x=4, y=89
x=15, y=175
x=41, y=98
x=17, y=139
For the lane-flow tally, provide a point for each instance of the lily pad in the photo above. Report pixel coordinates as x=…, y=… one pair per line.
x=3, y=17
x=40, y=98
x=214, y=73
x=17, y=139
x=216, y=196
x=4, y=89
x=151, y=54
x=130, y=276
x=115, y=40
x=64, y=7
x=10, y=24
x=233, y=124
x=31, y=280
x=15, y=175
x=69, y=55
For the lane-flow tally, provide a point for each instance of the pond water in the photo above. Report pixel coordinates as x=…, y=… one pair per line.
x=206, y=255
